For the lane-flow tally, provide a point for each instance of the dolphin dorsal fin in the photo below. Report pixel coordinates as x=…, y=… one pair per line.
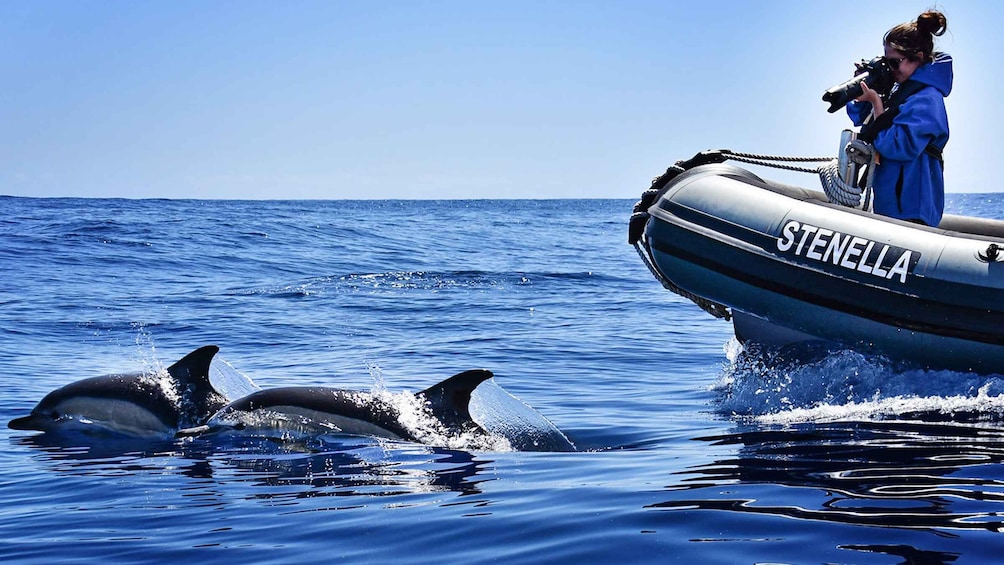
x=199, y=398
x=449, y=399
x=194, y=367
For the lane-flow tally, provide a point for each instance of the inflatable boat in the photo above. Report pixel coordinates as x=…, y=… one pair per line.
x=787, y=266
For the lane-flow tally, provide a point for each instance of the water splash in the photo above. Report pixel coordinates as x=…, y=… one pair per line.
x=228, y=381
x=505, y=416
x=376, y=373
x=417, y=417
x=772, y=387
x=146, y=349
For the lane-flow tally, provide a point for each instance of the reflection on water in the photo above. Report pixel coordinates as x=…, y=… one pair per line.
x=890, y=474
x=909, y=555
x=275, y=470
x=355, y=470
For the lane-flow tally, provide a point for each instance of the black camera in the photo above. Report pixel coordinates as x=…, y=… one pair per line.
x=877, y=74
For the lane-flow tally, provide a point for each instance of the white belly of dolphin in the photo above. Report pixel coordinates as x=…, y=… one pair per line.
x=115, y=415
x=299, y=420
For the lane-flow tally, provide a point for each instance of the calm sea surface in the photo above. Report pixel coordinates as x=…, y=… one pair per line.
x=689, y=452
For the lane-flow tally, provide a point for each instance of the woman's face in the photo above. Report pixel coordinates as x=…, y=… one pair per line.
x=902, y=68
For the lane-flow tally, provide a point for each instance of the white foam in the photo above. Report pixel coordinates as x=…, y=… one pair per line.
x=846, y=386
x=983, y=406
x=416, y=416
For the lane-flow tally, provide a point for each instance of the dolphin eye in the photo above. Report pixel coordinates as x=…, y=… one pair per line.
x=53, y=414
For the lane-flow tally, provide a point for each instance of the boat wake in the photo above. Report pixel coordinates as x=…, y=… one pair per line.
x=834, y=386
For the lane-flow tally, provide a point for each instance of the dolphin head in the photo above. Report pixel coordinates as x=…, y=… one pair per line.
x=36, y=421
x=43, y=418
x=134, y=403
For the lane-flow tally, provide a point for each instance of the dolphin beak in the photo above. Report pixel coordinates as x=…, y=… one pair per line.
x=36, y=422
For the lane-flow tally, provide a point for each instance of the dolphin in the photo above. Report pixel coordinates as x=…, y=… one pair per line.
x=138, y=404
x=440, y=412
x=319, y=410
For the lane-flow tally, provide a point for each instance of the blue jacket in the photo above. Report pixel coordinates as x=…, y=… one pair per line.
x=909, y=183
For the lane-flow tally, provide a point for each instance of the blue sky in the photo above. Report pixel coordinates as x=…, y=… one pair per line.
x=445, y=99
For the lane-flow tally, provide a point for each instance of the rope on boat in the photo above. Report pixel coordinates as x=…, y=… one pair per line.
x=841, y=179
x=840, y=187
x=836, y=189
x=715, y=309
x=776, y=161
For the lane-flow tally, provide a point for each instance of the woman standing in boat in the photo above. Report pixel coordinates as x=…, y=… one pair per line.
x=910, y=129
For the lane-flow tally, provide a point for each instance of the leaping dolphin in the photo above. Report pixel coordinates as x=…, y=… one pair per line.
x=135, y=404
x=440, y=413
x=319, y=410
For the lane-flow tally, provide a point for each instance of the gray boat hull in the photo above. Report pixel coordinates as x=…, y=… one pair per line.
x=792, y=267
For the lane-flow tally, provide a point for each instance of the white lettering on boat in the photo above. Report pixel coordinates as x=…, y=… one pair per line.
x=847, y=251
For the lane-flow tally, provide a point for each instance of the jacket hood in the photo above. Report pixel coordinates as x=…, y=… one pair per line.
x=937, y=73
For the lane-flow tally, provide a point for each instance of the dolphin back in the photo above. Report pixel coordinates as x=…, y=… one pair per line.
x=450, y=399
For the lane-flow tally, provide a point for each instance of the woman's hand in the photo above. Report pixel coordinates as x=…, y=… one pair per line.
x=872, y=97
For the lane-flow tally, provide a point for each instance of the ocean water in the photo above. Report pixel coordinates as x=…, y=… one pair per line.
x=689, y=449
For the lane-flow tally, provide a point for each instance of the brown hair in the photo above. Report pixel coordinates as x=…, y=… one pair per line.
x=917, y=37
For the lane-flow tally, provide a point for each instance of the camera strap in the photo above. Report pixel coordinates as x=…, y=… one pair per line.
x=870, y=130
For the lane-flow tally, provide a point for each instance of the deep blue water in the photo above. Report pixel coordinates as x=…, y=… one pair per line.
x=689, y=453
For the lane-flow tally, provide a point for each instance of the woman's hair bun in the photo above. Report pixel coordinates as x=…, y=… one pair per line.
x=932, y=22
